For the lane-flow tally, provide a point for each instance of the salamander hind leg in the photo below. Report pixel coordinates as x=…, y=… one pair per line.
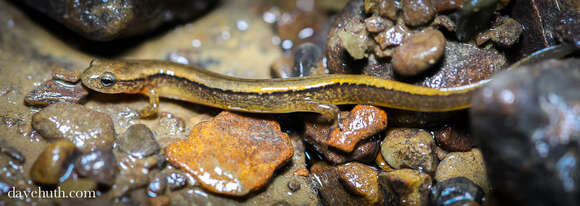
x=152, y=108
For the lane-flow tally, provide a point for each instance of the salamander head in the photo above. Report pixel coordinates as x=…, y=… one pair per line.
x=111, y=77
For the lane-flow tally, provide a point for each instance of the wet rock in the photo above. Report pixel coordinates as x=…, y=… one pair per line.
x=339, y=59
x=380, y=161
x=539, y=26
x=216, y=162
x=160, y=201
x=353, y=38
x=305, y=57
x=409, y=148
x=411, y=187
x=419, y=52
x=391, y=37
x=568, y=26
x=88, y=130
x=505, y=32
x=454, y=138
x=332, y=192
x=417, y=12
x=456, y=191
x=464, y=164
x=463, y=64
x=175, y=180
x=362, y=122
x=70, y=76
x=375, y=24
x=528, y=119
x=98, y=165
x=53, y=163
x=384, y=8
x=445, y=22
x=106, y=20
x=138, y=141
x=133, y=174
x=53, y=91
x=362, y=180
x=157, y=185
x=283, y=67
x=318, y=133
x=473, y=17
x=447, y=5
x=13, y=153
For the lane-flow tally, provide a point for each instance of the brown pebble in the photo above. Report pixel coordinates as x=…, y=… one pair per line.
x=52, y=163
x=160, y=201
x=419, y=52
x=303, y=172
x=383, y=8
x=409, y=148
x=293, y=185
x=377, y=24
x=138, y=141
x=464, y=164
x=53, y=91
x=382, y=163
x=88, y=130
x=14, y=153
x=417, y=12
x=411, y=186
x=317, y=133
x=100, y=166
x=505, y=32
x=447, y=5
x=241, y=160
x=454, y=139
x=326, y=181
x=445, y=22
x=362, y=122
x=362, y=180
x=393, y=36
x=283, y=67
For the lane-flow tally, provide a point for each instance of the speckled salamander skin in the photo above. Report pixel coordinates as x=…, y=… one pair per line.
x=318, y=94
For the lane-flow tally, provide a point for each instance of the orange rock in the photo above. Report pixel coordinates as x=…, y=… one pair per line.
x=232, y=154
x=301, y=172
x=362, y=180
x=363, y=122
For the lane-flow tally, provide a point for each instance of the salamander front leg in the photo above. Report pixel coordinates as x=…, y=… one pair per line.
x=150, y=110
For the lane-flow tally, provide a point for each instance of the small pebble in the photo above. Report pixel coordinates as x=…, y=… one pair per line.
x=411, y=186
x=52, y=164
x=157, y=185
x=305, y=57
x=417, y=12
x=293, y=185
x=464, y=164
x=393, y=36
x=505, y=32
x=362, y=180
x=331, y=190
x=419, y=52
x=383, y=8
x=377, y=24
x=98, y=165
x=88, y=130
x=176, y=180
x=456, y=190
x=447, y=5
x=362, y=122
x=14, y=154
x=409, y=148
x=138, y=141
x=454, y=139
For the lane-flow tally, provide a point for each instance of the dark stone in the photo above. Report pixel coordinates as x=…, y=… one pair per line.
x=107, y=20
x=455, y=190
x=138, y=141
x=527, y=123
x=339, y=60
x=100, y=166
x=473, y=17
x=538, y=19
x=305, y=57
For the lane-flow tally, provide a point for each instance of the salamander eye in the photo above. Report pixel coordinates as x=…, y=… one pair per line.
x=107, y=79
